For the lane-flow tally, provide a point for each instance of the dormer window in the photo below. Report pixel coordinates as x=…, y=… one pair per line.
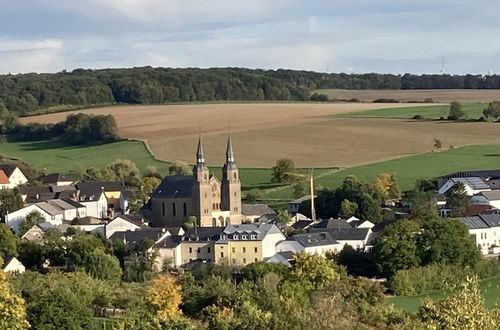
x=244, y=237
x=253, y=236
x=236, y=237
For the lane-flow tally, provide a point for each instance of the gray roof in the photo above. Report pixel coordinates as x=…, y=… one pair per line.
x=132, y=238
x=95, y=189
x=491, y=195
x=301, y=224
x=204, y=233
x=256, y=209
x=344, y=234
x=65, y=204
x=475, y=182
x=260, y=230
x=333, y=223
x=175, y=186
x=54, y=178
x=473, y=222
x=314, y=239
x=477, y=173
x=49, y=208
x=492, y=220
x=8, y=169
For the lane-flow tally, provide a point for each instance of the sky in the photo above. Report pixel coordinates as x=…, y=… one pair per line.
x=352, y=36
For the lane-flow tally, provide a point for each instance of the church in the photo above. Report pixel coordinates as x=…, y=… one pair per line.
x=202, y=195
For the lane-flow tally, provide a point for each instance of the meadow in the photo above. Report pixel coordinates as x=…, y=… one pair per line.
x=472, y=111
x=490, y=289
x=415, y=95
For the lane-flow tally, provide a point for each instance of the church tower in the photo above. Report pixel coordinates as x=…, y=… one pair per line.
x=231, y=185
x=202, y=190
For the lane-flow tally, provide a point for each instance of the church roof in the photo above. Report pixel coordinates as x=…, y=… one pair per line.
x=174, y=186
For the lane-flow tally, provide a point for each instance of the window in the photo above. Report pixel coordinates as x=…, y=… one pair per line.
x=235, y=194
x=222, y=254
x=208, y=249
x=184, y=207
x=255, y=249
x=256, y=260
x=173, y=210
x=162, y=209
x=234, y=261
x=235, y=237
x=198, y=250
x=253, y=236
x=234, y=175
x=244, y=260
x=244, y=250
x=234, y=250
x=244, y=237
x=190, y=250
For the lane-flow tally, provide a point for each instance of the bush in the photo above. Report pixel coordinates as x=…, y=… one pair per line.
x=417, y=117
x=319, y=97
x=428, y=100
x=386, y=101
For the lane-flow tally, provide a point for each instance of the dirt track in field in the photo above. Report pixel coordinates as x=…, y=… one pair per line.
x=304, y=132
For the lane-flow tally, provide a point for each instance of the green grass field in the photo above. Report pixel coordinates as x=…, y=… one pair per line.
x=489, y=287
x=473, y=111
x=423, y=166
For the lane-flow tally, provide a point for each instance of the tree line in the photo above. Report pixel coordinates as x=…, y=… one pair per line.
x=26, y=94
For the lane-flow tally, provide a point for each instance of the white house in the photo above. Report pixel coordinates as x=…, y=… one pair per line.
x=50, y=215
x=96, y=205
x=13, y=266
x=358, y=238
x=473, y=185
x=14, y=174
x=313, y=243
x=484, y=230
x=121, y=223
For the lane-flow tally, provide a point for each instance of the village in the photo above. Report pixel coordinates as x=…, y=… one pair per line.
x=193, y=219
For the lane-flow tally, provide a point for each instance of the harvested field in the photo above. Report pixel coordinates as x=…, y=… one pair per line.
x=438, y=95
x=171, y=130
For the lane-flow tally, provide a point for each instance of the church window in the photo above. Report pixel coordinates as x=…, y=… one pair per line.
x=244, y=249
x=208, y=249
x=256, y=260
x=206, y=195
x=206, y=178
x=185, y=209
x=244, y=260
x=234, y=175
x=198, y=250
x=173, y=210
x=234, y=250
x=222, y=254
x=255, y=249
x=234, y=261
x=162, y=209
x=190, y=250
x=235, y=194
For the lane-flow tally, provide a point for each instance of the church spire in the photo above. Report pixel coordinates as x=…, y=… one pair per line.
x=200, y=155
x=229, y=151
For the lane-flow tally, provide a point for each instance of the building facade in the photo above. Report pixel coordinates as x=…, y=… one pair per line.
x=214, y=203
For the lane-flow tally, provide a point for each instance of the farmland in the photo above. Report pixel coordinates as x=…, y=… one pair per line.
x=304, y=132
x=419, y=95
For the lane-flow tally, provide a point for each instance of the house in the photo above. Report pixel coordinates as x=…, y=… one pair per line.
x=484, y=230
x=92, y=196
x=294, y=206
x=488, y=176
x=284, y=258
x=214, y=202
x=491, y=198
x=35, y=194
x=54, y=211
x=358, y=238
x=236, y=245
x=472, y=185
x=56, y=179
x=13, y=265
x=332, y=224
x=4, y=181
x=252, y=212
x=89, y=224
x=313, y=243
x=14, y=174
x=123, y=223
x=125, y=197
x=36, y=233
x=133, y=238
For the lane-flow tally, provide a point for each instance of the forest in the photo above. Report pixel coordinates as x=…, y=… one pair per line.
x=33, y=93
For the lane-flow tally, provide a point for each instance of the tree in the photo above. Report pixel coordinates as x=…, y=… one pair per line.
x=190, y=222
x=447, y=241
x=31, y=219
x=125, y=171
x=92, y=174
x=437, y=144
x=423, y=204
x=149, y=184
x=463, y=310
x=348, y=208
x=252, y=195
x=12, y=312
x=492, y=111
x=283, y=171
x=283, y=216
x=163, y=297
x=179, y=168
x=8, y=242
x=456, y=111
x=396, y=247
x=387, y=186
x=457, y=200
x=31, y=254
x=10, y=201
x=151, y=171
x=103, y=266
x=259, y=269
x=312, y=271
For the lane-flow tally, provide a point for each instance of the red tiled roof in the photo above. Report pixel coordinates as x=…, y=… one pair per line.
x=3, y=178
x=474, y=210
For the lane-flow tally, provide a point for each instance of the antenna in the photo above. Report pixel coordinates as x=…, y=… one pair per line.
x=328, y=67
x=442, y=66
x=313, y=209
